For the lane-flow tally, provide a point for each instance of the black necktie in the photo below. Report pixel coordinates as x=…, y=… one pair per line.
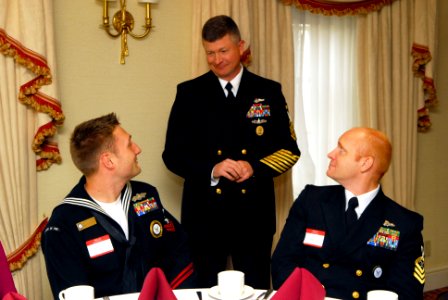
x=230, y=95
x=350, y=214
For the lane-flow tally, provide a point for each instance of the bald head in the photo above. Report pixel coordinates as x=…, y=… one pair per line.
x=374, y=143
x=360, y=159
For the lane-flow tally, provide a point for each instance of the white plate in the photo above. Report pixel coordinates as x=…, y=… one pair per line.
x=247, y=292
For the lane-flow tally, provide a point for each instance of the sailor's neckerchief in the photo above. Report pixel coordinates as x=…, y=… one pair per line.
x=89, y=203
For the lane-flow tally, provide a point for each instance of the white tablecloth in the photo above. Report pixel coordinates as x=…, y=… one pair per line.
x=191, y=294
x=185, y=294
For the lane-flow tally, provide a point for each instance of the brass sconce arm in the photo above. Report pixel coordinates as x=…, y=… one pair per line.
x=123, y=24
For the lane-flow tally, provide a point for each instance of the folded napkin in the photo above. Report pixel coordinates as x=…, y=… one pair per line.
x=300, y=285
x=13, y=296
x=6, y=282
x=156, y=287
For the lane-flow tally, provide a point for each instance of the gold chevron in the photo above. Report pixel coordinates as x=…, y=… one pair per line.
x=420, y=278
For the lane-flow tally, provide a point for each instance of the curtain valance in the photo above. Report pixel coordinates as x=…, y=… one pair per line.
x=339, y=7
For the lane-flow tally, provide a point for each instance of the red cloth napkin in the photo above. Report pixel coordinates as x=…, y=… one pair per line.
x=300, y=285
x=13, y=296
x=6, y=282
x=156, y=287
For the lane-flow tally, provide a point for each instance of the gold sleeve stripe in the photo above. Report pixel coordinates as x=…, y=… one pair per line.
x=274, y=166
x=281, y=161
x=285, y=156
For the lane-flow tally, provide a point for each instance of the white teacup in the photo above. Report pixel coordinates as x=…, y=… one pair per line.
x=381, y=295
x=231, y=284
x=77, y=292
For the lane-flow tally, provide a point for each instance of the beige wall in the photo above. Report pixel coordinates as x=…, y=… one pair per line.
x=92, y=82
x=432, y=168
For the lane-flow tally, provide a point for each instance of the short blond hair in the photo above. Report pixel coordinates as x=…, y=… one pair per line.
x=90, y=139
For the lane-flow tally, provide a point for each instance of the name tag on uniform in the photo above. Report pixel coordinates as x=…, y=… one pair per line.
x=314, y=238
x=100, y=246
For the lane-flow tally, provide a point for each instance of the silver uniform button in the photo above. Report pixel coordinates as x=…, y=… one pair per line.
x=377, y=272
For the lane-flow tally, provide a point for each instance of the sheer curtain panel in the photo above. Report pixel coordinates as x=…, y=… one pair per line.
x=326, y=101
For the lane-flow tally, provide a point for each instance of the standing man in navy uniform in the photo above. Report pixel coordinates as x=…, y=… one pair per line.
x=110, y=230
x=228, y=135
x=353, y=248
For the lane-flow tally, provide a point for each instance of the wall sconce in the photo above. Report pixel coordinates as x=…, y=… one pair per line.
x=123, y=23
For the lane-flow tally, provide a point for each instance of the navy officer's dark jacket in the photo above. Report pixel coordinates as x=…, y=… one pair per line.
x=205, y=128
x=83, y=245
x=383, y=250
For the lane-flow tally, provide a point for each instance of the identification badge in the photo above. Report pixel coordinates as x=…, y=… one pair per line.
x=100, y=246
x=314, y=238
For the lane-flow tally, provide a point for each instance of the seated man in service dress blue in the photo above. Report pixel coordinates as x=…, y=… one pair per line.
x=354, y=246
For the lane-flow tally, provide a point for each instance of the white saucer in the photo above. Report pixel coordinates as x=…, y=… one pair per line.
x=247, y=292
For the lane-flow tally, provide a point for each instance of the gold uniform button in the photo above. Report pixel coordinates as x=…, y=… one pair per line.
x=243, y=191
x=358, y=273
x=326, y=266
x=218, y=191
x=219, y=152
x=244, y=151
x=355, y=295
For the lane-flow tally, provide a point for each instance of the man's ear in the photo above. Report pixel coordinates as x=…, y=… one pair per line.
x=106, y=160
x=367, y=163
x=241, y=44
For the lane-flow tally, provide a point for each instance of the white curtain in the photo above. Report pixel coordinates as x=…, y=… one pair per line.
x=326, y=102
x=29, y=115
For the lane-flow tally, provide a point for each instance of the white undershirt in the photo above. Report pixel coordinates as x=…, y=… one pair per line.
x=116, y=212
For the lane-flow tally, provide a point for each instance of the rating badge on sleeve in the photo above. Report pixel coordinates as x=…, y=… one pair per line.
x=419, y=268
